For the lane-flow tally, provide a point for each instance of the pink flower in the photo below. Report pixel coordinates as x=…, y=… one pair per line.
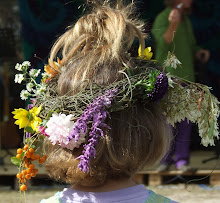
x=58, y=128
x=42, y=129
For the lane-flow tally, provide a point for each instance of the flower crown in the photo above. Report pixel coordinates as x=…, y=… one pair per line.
x=67, y=120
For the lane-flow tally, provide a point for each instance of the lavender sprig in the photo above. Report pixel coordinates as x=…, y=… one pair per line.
x=97, y=112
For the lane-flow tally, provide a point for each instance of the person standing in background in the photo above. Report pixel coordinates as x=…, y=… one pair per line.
x=172, y=31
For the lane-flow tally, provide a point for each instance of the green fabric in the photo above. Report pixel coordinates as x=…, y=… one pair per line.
x=183, y=45
x=53, y=199
x=155, y=198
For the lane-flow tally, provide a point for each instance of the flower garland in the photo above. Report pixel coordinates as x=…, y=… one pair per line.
x=97, y=112
x=72, y=121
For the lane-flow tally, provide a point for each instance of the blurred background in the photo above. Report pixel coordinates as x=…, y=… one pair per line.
x=28, y=28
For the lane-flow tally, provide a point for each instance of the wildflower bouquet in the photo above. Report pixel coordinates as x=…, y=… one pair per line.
x=73, y=120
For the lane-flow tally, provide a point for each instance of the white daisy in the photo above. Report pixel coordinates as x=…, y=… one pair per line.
x=30, y=86
x=19, y=78
x=24, y=94
x=34, y=72
x=18, y=67
x=26, y=63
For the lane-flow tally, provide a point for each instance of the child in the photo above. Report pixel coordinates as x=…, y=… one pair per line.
x=95, y=50
x=102, y=111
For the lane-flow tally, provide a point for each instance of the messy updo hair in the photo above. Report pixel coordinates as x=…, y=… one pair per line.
x=94, y=50
x=96, y=47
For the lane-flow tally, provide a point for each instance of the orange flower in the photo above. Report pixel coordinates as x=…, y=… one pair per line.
x=53, y=70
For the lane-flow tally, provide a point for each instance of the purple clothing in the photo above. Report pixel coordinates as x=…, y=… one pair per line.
x=137, y=194
x=180, y=145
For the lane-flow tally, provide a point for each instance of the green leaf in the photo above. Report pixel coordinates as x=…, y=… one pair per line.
x=211, y=129
x=22, y=154
x=16, y=161
x=29, y=129
x=130, y=71
x=44, y=122
x=33, y=146
x=57, y=111
x=30, y=116
x=50, y=114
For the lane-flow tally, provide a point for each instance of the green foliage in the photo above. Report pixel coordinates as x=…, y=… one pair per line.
x=16, y=161
x=29, y=129
x=30, y=116
x=212, y=128
x=22, y=154
x=148, y=84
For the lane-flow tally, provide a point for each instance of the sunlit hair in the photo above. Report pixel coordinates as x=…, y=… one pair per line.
x=95, y=50
x=138, y=138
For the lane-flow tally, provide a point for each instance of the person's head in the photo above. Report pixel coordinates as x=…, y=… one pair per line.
x=172, y=3
x=187, y=3
x=94, y=49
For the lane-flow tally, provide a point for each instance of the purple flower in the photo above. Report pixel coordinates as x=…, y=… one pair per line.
x=97, y=113
x=160, y=87
x=27, y=135
x=30, y=106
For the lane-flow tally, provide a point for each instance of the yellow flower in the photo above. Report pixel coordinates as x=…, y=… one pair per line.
x=27, y=118
x=147, y=55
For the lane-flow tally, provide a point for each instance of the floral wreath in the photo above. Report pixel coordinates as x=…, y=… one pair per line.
x=66, y=120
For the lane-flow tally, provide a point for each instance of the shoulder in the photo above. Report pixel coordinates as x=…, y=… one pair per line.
x=53, y=199
x=155, y=198
x=161, y=19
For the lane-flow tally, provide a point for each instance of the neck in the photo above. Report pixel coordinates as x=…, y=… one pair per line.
x=108, y=186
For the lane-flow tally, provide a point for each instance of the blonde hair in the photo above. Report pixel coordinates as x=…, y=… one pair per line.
x=98, y=43
x=138, y=138
x=94, y=49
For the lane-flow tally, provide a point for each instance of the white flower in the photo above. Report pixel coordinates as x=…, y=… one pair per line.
x=34, y=72
x=18, y=67
x=197, y=105
x=38, y=72
x=170, y=80
x=19, y=78
x=24, y=94
x=46, y=75
x=40, y=89
x=171, y=61
x=59, y=127
x=30, y=86
x=26, y=63
x=207, y=141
